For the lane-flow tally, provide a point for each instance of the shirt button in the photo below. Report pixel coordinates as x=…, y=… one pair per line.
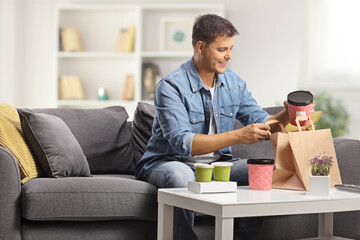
x=216, y=115
x=230, y=114
x=193, y=120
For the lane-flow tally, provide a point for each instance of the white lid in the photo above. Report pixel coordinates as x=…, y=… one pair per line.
x=203, y=165
x=222, y=164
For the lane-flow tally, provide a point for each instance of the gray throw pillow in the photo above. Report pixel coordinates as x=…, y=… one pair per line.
x=142, y=128
x=103, y=134
x=54, y=146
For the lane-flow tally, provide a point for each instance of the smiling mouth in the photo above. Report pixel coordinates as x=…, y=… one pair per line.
x=223, y=64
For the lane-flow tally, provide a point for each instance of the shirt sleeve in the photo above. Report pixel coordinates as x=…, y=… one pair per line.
x=173, y=118
x=249, y=111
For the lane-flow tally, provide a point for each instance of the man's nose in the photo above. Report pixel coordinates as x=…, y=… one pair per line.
x=228, y=54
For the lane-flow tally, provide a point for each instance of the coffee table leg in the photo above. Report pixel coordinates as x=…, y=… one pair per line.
x=224, y=228
x=165, y=221
x=326, y=224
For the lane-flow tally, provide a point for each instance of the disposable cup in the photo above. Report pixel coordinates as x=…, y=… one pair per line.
x=203, y=172
x=222, y=171
x=260, y=173
x=300, y=104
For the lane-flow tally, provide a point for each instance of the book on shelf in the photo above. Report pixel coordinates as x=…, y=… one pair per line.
x=130, y=40
x=70, y=40
x=70, y=88
x=60, y=41
x=126, y=39
x=129, y=88
x=151, y=76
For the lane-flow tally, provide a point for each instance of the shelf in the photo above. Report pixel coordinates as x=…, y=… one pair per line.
x=97, y=7
x=181, y=7
x=100, y=65
x=167, y=54
x=95, y=55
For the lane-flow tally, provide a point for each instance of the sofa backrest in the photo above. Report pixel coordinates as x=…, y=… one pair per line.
x=112, y=144
x=142, y=127
x=103, y=134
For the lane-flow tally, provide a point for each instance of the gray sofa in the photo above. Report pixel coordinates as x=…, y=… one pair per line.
x=112, y=204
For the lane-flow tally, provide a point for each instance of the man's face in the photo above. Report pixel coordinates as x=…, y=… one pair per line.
x=216, y=55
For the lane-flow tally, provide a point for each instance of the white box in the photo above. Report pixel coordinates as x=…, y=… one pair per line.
x=212, y=187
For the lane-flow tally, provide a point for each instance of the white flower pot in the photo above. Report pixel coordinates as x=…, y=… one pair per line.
x=319, y=185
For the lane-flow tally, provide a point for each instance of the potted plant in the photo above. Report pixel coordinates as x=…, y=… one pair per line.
x=334, y=114
x=320, y=170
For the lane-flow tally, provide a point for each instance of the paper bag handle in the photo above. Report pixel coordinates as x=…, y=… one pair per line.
x=276, y=121
x=303, y=118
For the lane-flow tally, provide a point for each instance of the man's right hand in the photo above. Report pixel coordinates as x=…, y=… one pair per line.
x=253, y=133
x=203, y=143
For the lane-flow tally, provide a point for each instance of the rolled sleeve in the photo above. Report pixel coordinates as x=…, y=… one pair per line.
x=187, y=144
x=173, y=118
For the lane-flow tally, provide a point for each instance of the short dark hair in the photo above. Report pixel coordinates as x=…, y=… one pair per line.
x=210, y=26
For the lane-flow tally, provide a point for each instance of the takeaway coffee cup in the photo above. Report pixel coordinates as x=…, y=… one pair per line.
x=222, y=171
x=260, y=173
x=300, y=104
x=203, y=172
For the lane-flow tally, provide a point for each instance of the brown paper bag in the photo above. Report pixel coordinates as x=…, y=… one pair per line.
x=293, y=151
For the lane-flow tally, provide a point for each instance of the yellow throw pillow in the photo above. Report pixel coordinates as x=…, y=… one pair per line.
x=315, y=116
x=12, y=138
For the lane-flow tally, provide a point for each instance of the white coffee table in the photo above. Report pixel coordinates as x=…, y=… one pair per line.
x=247, y=203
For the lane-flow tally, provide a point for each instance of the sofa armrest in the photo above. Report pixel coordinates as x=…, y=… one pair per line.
x=348, y=156
x=10, y=190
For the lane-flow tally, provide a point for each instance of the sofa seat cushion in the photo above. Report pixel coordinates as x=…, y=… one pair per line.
x=102, y=197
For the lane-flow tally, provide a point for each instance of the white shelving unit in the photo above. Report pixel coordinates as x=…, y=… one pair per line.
x=99, y=65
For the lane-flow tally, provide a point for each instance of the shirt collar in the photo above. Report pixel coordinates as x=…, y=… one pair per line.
x=195, y=80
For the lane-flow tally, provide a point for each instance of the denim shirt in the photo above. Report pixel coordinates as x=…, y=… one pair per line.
x=183, y=107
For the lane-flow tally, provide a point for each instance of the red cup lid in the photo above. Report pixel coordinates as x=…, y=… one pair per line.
x=261, y=161
x=300, y=98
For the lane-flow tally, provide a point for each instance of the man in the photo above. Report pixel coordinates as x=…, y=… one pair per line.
x=196, y=106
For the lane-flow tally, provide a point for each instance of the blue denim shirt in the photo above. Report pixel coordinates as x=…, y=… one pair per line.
x=183, y=107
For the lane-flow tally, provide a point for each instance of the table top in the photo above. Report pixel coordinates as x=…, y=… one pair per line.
x=246, y=196
x=273, y=202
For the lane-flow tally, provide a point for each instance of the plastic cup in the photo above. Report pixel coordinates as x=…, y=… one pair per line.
x=260, y=173
x=222, y=171
x=203, y=172
x=300, y=104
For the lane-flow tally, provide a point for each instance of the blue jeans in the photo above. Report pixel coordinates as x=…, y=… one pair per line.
x=174, y=174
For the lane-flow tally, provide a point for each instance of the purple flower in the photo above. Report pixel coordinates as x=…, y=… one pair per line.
x=321, y=165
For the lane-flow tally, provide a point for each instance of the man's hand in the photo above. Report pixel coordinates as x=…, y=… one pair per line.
x=253, y=133
x=203, y=143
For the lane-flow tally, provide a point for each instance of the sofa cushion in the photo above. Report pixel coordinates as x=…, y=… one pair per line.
x=102, y=197
x=54, y=145
x=103, y=134
x=142, y=128
x=13, y=139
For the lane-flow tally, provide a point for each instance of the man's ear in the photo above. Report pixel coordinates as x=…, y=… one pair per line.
x=200, y=47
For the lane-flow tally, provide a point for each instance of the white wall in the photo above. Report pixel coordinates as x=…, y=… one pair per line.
x=269, y=53
x=7, y=52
